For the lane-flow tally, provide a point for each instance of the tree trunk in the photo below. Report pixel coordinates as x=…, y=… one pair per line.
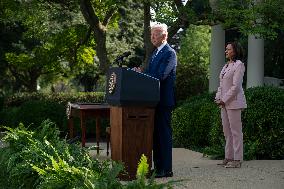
x=26, y=80
x=32, y=86
x=33, y=76
x=101, y=49
x=99, y=29
x=147, y=34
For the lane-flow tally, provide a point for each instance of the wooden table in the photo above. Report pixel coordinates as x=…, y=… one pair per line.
x=83, y=111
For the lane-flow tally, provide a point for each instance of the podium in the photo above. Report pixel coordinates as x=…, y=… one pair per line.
x=133, y=97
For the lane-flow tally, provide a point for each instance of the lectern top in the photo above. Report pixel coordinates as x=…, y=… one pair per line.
x=86, y=106
x=126, y=87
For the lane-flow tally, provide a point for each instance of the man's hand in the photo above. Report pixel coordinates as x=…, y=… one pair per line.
x=137, y=69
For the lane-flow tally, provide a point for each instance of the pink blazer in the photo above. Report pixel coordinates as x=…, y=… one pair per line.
x=230, y=90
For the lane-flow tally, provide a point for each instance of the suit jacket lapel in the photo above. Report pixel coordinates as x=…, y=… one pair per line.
x=155, y=60
x=161, y=52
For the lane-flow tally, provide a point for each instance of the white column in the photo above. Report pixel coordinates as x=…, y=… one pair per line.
x=255, y=65
x=217, y=56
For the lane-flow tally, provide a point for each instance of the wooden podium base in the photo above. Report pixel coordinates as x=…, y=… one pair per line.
x=131, y=136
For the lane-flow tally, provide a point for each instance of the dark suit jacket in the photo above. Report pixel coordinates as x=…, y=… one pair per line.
x=163, y=67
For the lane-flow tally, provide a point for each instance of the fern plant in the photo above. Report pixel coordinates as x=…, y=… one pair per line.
x=40, y=159
x=142, y=182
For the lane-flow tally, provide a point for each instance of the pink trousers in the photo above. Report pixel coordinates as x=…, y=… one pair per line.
x=232, y=128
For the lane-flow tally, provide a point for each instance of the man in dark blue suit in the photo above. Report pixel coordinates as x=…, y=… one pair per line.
x=162, y=66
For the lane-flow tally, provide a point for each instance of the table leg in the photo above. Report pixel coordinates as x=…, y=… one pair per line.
x=98, y=126
x=71, y=127
x=83, y=128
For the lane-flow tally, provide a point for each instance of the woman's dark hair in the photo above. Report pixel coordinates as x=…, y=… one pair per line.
x=239, y=55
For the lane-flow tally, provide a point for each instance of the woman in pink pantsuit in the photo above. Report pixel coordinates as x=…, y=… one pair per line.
x=231, y=99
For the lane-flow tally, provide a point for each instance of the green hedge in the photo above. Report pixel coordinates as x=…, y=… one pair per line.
x=197, y=124
x=33, y=112
x=264, y=123
x=191, y=81
x=32, y=108
x=1, y=102
x=191, y=122
x=60, y=98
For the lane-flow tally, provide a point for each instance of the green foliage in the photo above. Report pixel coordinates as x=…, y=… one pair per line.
x=264, y=122
x=274, y=58
x=193, y=66
x=44, y=41
x=27, y=67
x=88, y=77
x=8, y=116
x=197, y=124
x=35, y=111
x=192, y=121
x=143, y=167
x=32, y=108
x=261, y=18
x=62, y=98
x=141, y=182
x=128, y=34
x=187, y=12
x=193, y=51
x=190, y=80
x=1, y=102
x=164, y=12
x=40, y=159
x=51, y=40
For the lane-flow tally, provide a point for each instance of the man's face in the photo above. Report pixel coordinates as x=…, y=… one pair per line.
x=157, y=37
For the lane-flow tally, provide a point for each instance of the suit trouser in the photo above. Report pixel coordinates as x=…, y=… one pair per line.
x=162, y=139
x=232, y=128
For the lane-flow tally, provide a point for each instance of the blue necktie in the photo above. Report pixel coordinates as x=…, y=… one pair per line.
x=154, y=55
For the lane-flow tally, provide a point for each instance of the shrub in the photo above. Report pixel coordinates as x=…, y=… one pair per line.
x=8, y=116
x=33, y=108
x=33, y=112
x=40, y=159
x=1, y=102
x=197, y=124
x=191, y=81
x=263, y=122
x=192, y=122
x=61, y=98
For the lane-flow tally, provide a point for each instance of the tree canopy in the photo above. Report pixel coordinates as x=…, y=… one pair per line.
x=79, y=39
x=262, y=18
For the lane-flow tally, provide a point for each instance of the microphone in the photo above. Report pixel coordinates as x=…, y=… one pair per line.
x=120, y=58
x=126, y=54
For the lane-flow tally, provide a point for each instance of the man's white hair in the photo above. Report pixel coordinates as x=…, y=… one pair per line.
x=162, y=27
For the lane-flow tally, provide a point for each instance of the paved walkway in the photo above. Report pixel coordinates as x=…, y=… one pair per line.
x=203, y=173
x=200, y=172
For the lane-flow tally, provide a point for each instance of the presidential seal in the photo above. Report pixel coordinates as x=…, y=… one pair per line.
x=112, y=83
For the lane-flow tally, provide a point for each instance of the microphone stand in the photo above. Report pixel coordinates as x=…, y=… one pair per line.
x=120, y=59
